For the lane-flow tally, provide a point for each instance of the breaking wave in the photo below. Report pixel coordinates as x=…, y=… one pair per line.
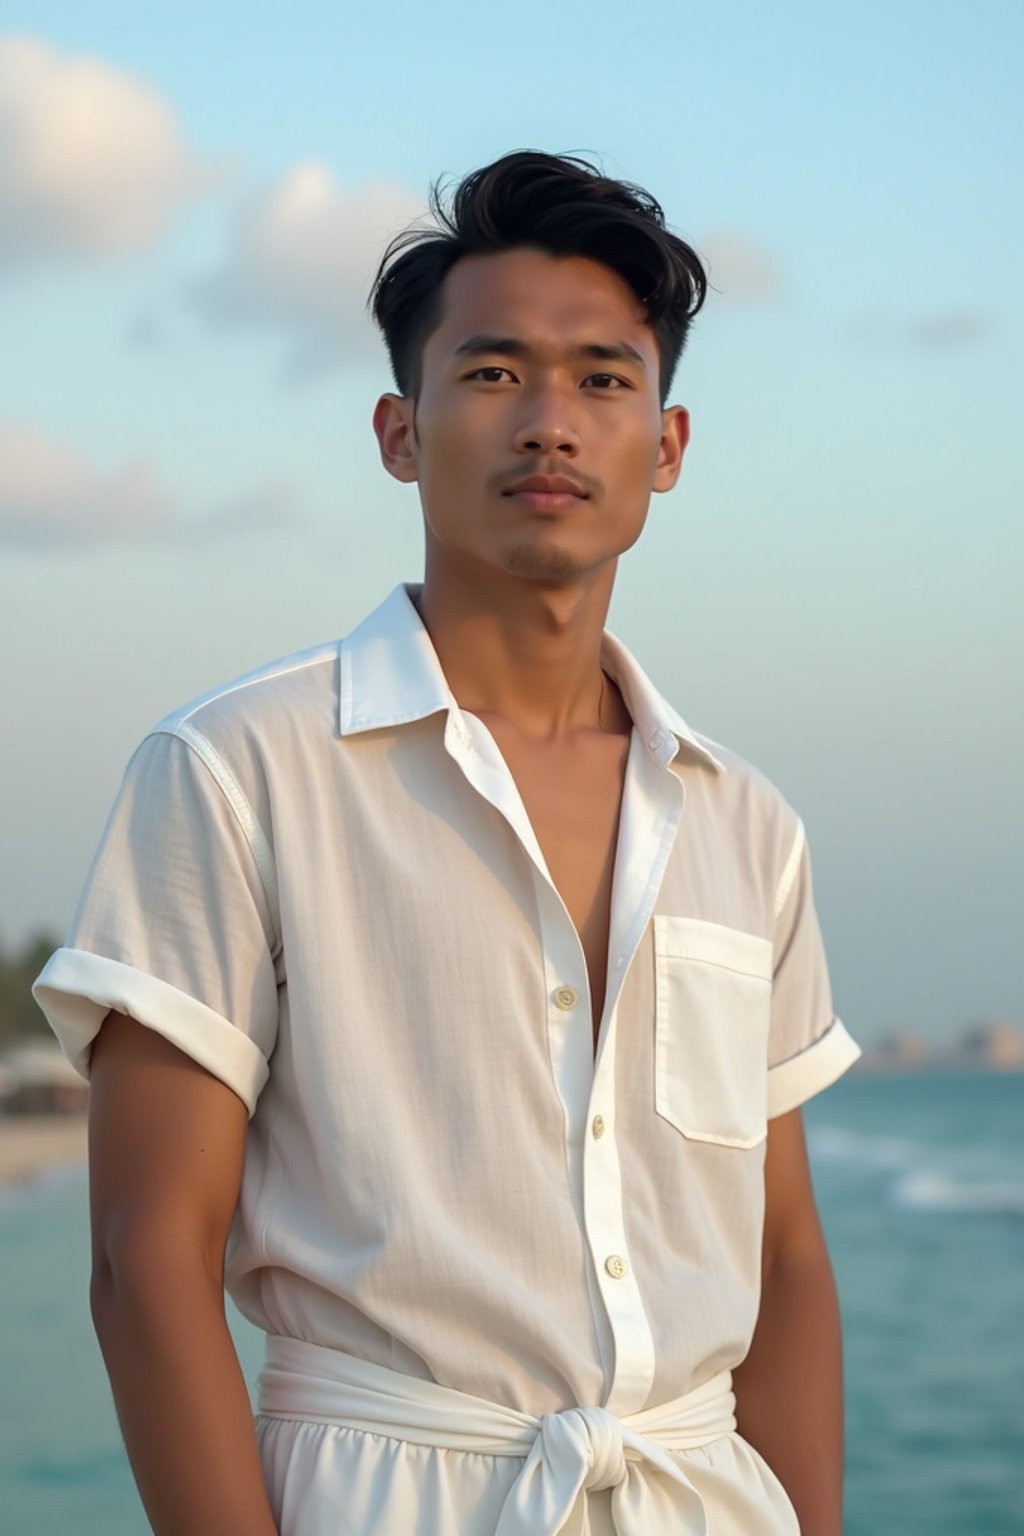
x=916, y=1177
x=926, y=1191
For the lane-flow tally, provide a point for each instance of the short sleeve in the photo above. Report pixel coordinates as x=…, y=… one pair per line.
x=808, y=1046
x=175, y=926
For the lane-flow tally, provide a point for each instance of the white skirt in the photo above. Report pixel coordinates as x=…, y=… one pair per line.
x=343, y=1453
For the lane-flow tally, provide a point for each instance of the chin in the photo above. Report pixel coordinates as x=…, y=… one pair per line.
x=538, y=564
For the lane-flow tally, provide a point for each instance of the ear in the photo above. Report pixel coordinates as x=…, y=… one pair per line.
x=675, y=434
x=393, y=425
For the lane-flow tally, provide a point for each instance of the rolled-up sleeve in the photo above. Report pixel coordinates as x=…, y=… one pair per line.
x=809, y=1047
x=175, y=926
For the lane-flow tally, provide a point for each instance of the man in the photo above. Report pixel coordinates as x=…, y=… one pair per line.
x=469, y=988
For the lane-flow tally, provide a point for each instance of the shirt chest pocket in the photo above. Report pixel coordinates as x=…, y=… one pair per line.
x=712, y=1010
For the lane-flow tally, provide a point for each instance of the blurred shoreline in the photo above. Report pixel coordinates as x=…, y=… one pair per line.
x=989, y=1045
x=32, y=1145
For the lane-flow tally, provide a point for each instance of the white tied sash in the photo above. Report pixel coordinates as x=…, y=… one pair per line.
x=565, y=1454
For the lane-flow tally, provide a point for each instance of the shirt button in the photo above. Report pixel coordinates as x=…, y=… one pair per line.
x=565, y=998
x=598, y=1127
x=616, y=1266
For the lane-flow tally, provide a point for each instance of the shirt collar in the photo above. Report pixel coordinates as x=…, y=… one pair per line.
x=390, y=675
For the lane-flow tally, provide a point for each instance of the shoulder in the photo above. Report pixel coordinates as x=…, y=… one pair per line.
x=750, y=810
x=296, y=693
x=738, y=801
x=254, y=734
x=742, y=782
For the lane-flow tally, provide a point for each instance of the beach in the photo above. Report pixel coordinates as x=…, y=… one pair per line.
x=31, y=1145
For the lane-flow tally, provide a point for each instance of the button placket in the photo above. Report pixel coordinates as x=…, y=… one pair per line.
x=604, y=1216
x=607, y=1233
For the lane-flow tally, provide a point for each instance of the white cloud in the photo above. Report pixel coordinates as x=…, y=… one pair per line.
x=50, y=493
x=92, y=161
x=737, y=268
x=301, y=257
x=52, y=497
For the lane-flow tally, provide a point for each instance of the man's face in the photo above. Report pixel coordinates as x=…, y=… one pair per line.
x=540, y=366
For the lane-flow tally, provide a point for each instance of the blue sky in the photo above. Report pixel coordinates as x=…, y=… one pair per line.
x=190, y=202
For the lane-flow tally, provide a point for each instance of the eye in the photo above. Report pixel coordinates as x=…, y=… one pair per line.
x=614, y=379
x=491, y=369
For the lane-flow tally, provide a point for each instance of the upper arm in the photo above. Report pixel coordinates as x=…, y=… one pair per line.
x=176, y=927
x=166, y=1146
x=791, y=1223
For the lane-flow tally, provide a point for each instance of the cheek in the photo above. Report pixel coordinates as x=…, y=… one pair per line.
x=633, y=434
x=449, y=476
x=633, y=460
x=448, y=444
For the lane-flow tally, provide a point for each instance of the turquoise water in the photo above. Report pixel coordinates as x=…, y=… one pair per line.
x=921, y=1187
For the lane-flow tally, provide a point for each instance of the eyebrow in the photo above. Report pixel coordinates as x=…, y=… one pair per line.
x=511, y=346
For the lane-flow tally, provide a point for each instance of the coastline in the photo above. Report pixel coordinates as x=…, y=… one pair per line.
x=32, y=1145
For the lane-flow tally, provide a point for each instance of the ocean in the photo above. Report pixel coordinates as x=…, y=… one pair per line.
x=920, y=1183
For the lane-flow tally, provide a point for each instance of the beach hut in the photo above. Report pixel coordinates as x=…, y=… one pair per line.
x=36, y=1078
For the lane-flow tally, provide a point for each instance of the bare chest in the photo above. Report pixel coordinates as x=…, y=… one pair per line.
x=572, y=795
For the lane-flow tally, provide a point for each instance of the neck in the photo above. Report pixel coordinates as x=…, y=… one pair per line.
x=523, y=651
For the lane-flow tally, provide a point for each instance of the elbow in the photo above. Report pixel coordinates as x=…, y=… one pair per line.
x=798, y=1259
x=103, y=1306
x=141, y=1278
x=109, y=1291
x=101, y=1282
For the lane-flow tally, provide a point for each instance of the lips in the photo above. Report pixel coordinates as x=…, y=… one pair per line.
x=547, y=485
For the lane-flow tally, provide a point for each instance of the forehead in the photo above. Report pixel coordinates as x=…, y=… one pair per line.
x=548, y=301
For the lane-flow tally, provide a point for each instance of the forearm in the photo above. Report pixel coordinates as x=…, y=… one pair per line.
x=789, y=1389
x=180, y=1395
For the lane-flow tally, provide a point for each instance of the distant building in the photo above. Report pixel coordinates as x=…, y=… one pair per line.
x=996, y=1044
x=36, y=1078
x=896, y=1052
x=989, y=1045
x=907, y=1050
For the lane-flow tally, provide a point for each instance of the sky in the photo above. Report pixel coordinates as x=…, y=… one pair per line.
x=192, y=204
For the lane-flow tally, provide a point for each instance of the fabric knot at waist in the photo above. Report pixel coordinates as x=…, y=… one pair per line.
x=564, y=1454
x=590, y=1437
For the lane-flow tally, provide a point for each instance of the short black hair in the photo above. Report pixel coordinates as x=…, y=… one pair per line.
x=562, y=204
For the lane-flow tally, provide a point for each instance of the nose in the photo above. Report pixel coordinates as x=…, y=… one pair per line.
x=548, y=424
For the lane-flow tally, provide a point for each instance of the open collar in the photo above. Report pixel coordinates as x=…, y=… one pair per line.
x=390, y=675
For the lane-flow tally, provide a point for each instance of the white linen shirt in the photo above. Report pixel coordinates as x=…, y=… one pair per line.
x=321, y=883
